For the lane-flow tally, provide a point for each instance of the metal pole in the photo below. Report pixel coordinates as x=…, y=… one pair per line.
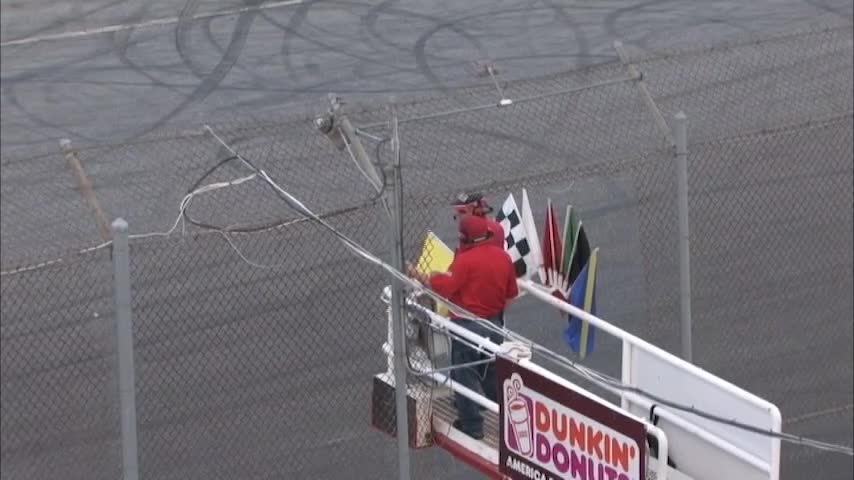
x=647, y=97
x=361, y=156
x=680, y=134
x=124, y=348
x=393, y=186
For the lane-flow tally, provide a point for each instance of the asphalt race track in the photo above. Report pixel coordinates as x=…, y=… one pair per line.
x=118, y=85
x=110, y=72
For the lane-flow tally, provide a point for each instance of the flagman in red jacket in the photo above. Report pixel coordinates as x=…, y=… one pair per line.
x=481, y=279
x=475, y=204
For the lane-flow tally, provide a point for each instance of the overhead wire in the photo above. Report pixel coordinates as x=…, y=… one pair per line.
x=597, y=378
x=269, y=225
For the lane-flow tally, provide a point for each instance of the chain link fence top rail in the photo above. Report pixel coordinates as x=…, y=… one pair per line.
x=250, y=372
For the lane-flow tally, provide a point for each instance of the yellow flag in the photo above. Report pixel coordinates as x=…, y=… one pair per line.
x=435, y=257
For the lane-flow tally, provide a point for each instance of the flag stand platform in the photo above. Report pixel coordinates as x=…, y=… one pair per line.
x=438, y=407
x=700, y=449
x=481, y=454
x=544, y=425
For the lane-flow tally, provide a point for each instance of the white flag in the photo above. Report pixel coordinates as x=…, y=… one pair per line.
x=533, y=238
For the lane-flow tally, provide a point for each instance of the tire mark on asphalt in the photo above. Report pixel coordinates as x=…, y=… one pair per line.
x=295, y=21
x=695, y=88
x=692, y=24
x=582, y=45
x=292, y=32
x=521, y=140
x=827, y=8
x=620, y=198
x=10, y=95
x=182, y=29
x=121, y=40
x=358, y=39
x=609, y=183
x=419, y=51
x=369, y=22
x=370, y=19
x=159, y=22
x=318, y=87
x=610, y=21
x=8, y=85
x=420, y=44
x=528, y=27
x=64, y=21
x=201, y=91
x=210, y=82
x=257, y=82
x=301, y=14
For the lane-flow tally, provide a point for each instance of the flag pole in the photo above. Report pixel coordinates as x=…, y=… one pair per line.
x=680, y=134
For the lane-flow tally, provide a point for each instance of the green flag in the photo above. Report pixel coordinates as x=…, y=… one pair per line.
x=568, y=239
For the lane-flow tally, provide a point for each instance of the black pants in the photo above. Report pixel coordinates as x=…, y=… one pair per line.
x=479, y=378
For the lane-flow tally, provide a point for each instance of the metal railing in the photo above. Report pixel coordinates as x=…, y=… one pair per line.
x=518, y=353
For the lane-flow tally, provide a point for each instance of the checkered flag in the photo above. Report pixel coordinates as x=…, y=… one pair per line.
x=516, y=241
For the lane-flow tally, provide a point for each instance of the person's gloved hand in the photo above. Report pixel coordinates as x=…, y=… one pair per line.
x=412, y=272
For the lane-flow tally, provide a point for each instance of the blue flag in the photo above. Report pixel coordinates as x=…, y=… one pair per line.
x=579, y=335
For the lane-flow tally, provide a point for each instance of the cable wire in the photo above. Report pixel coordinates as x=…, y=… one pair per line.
x=270, y=225
x=597, y=378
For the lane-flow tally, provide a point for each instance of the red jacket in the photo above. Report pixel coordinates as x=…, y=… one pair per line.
x=497, y=233
x=481, y=279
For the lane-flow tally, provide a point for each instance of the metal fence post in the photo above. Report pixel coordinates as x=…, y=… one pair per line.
x=124, y=348
x=680, y=134
x=393, y=186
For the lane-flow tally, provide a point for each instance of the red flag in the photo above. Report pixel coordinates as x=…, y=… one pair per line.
x=552, y=249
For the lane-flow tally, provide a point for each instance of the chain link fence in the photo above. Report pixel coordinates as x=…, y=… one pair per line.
x=772, y=259
x=260, y=378
x=59, y=416
x=770, y=164
x=240, y=371
x=255, y=348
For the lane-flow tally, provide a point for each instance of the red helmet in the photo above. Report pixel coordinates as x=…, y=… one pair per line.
x=473, y=203
x=473, y=229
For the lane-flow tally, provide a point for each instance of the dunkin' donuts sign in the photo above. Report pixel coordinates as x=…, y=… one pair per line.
x=549, y=432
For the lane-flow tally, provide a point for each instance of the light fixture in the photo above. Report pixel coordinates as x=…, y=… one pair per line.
x=326, y=125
